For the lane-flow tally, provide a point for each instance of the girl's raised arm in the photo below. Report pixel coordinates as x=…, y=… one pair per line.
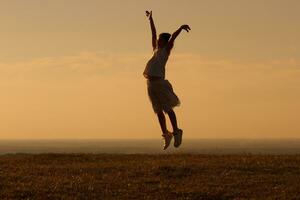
x=153, y=29
x=175, y=34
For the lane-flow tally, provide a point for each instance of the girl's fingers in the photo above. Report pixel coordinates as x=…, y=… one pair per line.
x=148, y=14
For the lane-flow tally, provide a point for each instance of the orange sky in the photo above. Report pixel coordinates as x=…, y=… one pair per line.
x=73, y=69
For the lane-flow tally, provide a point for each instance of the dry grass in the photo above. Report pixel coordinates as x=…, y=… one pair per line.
x=176, y=176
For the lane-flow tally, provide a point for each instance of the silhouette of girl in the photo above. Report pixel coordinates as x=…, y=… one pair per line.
x=160, y=90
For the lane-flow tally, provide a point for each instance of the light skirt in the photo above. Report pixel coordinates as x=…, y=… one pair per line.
x=162, y=96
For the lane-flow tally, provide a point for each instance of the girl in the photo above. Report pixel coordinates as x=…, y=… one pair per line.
x=160, y=90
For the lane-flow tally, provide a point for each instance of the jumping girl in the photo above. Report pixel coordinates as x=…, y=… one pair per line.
x=160, y=90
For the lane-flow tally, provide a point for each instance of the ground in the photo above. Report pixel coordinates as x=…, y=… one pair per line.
x=165, y=176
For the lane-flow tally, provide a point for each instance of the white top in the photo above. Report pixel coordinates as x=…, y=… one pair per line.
x=156, y=65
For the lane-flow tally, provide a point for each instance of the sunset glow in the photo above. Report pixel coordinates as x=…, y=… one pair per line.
x=73, y=69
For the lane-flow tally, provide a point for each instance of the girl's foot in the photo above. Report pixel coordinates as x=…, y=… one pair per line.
x=177, y=137
x=167, y=137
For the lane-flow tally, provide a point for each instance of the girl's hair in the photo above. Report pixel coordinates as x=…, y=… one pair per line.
x=165, y=36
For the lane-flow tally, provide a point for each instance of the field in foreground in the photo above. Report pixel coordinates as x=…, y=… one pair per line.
x=170, y=176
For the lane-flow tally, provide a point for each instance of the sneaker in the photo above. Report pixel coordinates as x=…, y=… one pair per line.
x=167, y=137
x=177, y=137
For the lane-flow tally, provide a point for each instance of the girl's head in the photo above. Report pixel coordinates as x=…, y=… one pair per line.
x=163, y=39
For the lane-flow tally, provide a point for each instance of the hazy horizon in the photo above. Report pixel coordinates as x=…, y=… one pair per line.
x=151, y=146
x=154, y=137
x=73, y=69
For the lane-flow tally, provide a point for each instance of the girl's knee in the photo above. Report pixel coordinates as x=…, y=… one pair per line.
x=171, y=111
x=160, y=113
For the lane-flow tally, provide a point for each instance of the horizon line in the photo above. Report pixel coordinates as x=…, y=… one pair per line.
x=187, y=138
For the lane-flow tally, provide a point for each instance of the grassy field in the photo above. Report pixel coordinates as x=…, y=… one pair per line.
x=169, y=176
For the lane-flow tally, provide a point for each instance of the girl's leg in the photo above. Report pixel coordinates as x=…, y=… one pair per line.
x=166, y=134
x=173, y=120
x=176, y=131
x=162, y=122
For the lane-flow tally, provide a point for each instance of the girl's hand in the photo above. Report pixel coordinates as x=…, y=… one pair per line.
x=149, y=14
x=186, y=27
